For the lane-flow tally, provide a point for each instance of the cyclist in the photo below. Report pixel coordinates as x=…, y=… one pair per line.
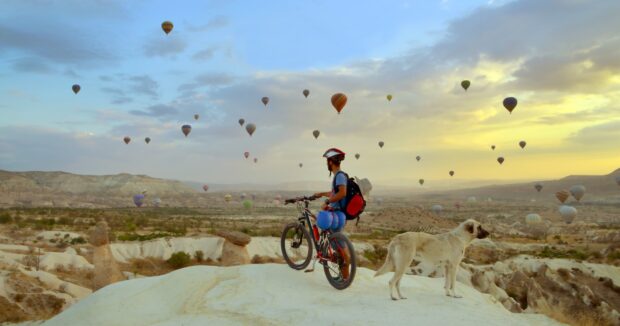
x=332, y=217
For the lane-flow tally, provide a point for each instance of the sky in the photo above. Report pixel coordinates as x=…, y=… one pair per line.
x=559, y=58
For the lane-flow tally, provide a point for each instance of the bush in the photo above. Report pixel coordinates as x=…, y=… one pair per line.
x=613, y=255
x=78, y=240
x=199, y=255
x=5, y=218
x=179, y=260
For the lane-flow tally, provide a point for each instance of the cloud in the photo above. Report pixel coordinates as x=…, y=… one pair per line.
x=158, y=110
x=164, y=47
x=207, y=80
x=597, y=136
x=528, y=27
x=53, y=41
x=126, y=86
x=32, y=65
x=214, y=23
x=204, y=55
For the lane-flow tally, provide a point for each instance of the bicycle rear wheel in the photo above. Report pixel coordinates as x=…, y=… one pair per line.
x=296, y=245
x=341, y=265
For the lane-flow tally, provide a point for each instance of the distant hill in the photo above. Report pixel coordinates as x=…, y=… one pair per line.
x=598, y=188
x=67, y=189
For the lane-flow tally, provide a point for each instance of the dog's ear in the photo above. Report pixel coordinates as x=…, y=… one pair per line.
x=469, y=227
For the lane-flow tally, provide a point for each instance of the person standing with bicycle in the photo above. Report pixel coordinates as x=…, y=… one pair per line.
x=332, y=216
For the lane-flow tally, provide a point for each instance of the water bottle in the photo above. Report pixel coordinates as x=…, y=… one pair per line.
x=315, y=231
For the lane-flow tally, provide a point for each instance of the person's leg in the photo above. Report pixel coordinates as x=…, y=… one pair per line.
x=343, y=249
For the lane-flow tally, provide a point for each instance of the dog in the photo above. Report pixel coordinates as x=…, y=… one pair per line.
x=445, y=250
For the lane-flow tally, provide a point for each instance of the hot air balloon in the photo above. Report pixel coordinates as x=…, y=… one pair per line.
x=265, y=100
x=301, y=165
x=418, y=158
x=250, y=128
x=522, y=144
x=421, y=181
x=618, y=180
x=339, y=100
x=568, y=213
x=138, y=200
x=186, y=129
x=381, y=143
x=389, y=97
x=562, y=195
x=538, y=187
x=196, y=116
x=255, y=160
x=316, y=134
x=510, y=103
x=241, y=122
x=247, y=204
x=306, y=93
x=167, y=27
x=76, y=88
x=500, y=160
x=246, y=154
x=532, y=219
x=465, y=84
x=227, y=198
x=437, y=209
x=205, y=188
x=156, y=202
x=147, y=140
x=357, y=156
x=493, y=147
x=577, y=191
x=127, y=140
x=451, y=173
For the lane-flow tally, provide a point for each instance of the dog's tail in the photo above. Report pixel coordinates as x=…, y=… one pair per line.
x=388, y=265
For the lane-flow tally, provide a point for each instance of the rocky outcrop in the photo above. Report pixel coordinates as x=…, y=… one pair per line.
x=234, y=251
x=106, y=269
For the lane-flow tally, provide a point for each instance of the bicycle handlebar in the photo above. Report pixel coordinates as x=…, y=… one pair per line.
x=304, y=198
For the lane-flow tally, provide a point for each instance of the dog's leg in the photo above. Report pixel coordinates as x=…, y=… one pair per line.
x=454, y=270
x=400, y=266
x=400, y=295
x=446, y=275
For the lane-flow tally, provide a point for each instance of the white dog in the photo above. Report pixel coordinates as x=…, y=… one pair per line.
x=444, y=249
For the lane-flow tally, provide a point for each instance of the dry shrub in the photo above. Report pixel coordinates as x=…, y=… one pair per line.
x=265, y=260
x=581, y=319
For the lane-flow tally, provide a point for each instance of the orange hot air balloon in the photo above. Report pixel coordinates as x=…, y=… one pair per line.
x=562, y=195
x=167, y=26
x=339, y=100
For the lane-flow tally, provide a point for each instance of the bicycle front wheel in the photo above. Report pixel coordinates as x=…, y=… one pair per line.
x=341, y=265
x=296, y=246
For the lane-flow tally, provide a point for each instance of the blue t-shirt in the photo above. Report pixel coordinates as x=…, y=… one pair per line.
x=340, y=180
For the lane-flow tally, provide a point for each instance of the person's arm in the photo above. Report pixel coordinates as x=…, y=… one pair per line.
x=322, y=194
x=342, y=192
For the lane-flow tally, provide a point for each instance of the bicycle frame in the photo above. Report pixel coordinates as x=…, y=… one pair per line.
x=304, y=218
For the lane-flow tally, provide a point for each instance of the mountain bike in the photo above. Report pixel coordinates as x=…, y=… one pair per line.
x=333, y=249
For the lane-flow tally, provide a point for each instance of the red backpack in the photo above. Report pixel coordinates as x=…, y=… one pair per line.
x=354, y=200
